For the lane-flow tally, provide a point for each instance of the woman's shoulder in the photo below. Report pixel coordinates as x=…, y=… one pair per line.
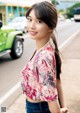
x=47, y=53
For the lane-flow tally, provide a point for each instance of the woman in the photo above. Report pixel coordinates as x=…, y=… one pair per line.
x=39, y=75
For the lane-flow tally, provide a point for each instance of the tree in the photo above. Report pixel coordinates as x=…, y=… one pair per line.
x=55, y=2
x=70, y=10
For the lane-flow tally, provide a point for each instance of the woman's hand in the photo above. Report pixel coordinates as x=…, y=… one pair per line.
x=64, y=110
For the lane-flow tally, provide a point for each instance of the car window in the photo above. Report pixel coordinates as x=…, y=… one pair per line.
x=18, y=19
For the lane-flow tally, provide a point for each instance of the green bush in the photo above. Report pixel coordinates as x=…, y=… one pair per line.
x=70, y=10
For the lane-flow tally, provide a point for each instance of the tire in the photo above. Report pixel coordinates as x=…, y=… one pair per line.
x=77, y=20
x=17, y=48
x=25, y=30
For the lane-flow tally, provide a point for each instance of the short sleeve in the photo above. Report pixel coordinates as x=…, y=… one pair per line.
x=46, y=70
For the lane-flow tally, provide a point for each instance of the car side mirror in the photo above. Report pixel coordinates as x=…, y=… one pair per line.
x=1, y=24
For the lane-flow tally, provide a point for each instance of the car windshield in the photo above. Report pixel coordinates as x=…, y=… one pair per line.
x=77, y=11
x=19, y=19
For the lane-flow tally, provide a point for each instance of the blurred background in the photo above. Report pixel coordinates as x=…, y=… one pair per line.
x=9, y=9
x=13, y=21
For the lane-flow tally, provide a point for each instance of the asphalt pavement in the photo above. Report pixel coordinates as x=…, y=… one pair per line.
x=70, y=79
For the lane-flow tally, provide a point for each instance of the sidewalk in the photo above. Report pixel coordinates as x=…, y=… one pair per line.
x=70, y=80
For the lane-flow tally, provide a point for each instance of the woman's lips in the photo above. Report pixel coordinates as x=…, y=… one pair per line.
x=32, y=32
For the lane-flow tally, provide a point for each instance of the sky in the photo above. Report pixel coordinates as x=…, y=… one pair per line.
x=63, y=4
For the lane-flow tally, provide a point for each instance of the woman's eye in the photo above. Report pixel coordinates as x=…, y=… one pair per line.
x=39, y=21
x=29, y=19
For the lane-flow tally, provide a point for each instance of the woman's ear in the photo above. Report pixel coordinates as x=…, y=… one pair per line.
x=50, y=30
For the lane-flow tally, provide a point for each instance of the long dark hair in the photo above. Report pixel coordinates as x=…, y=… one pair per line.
x=47, y=12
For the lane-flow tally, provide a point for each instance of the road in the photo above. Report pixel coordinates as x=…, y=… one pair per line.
x=65, y=30
x=10, y=70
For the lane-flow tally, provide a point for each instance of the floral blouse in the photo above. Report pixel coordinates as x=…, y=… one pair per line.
x=39, y=75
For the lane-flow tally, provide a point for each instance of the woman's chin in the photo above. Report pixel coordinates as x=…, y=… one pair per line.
x=31, y=36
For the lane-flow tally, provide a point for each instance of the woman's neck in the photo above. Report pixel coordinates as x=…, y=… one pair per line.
x=41, y=43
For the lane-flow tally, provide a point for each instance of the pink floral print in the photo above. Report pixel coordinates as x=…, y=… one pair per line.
x=39, y=75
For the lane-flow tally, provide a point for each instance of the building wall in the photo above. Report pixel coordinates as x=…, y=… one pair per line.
x=2, y=14
x=9, y=11
x=38, y=0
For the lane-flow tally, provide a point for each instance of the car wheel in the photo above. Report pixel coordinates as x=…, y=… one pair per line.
x=25, y=30
x=17, y=48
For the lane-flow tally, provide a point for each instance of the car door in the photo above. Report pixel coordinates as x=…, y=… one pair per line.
x=2, y=40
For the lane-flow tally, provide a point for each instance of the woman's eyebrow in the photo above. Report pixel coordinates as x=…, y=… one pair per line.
x=29, y=16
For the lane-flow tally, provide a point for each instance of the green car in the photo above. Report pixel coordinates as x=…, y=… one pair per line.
x=11, y=42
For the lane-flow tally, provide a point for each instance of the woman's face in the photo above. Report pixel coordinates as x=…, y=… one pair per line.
x=37, y=29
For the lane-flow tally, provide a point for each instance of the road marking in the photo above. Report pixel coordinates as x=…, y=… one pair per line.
x=62, y=46
x=10, y=92
x=60, y=24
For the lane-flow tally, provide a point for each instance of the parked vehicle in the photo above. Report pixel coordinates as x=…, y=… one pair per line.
x=11, y=41
x=77, y=14
x=19, y=23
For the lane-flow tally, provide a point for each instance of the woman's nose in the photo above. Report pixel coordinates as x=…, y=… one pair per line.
x=32, y=25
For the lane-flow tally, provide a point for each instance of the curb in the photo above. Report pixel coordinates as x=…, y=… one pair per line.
x=68, y=41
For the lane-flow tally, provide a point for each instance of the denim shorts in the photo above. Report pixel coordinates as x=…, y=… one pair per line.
x=40, y=107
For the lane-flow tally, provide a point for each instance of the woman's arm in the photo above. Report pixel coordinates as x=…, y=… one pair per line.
x=60, y=93
x=61, y=96
x=54, y=106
